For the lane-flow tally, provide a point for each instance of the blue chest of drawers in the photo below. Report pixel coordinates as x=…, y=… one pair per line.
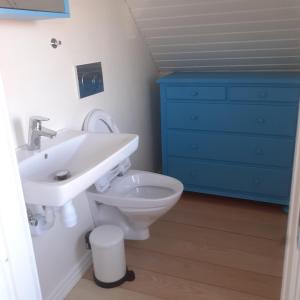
x=231, y=134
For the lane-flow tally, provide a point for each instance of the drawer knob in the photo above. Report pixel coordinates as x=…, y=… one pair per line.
x=259, y=151
x=261, y=120
x=262, y=94
x=256, y=181
x=195, y=147
x=195, y=93
x=192, y=174
x=194, y=118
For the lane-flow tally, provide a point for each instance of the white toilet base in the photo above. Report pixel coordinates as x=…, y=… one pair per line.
x=109, y=215
x=137, y=235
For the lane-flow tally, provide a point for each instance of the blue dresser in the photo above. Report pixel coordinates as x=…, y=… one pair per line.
x=231, y=134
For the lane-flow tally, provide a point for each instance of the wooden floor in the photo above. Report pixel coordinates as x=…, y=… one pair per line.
x=205, y=248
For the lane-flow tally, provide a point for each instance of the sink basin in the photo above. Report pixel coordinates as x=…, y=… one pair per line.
x=87, y=156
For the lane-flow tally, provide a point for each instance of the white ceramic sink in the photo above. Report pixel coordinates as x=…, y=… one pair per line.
x=86, y=155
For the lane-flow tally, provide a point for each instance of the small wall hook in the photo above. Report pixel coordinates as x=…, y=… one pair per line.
x=55, y=43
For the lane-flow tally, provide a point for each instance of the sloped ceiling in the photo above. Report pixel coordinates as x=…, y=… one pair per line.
x=209, y=35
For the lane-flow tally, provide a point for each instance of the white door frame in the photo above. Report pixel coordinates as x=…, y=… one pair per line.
x=18, y=273
x=291, y=274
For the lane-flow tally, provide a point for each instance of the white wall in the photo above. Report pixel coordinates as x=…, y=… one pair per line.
x=41, y=81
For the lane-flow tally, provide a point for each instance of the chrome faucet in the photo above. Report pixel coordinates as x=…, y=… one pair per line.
x=36, y=131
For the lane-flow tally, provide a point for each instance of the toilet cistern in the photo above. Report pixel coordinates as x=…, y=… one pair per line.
x=36, y=131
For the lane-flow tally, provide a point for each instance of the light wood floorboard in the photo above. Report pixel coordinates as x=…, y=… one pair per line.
x=234, y=257
x=87, y=290
x=243, y=217
x=203, y=272
x=206, y=248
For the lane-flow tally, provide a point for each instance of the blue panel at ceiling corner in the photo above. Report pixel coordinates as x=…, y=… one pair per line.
x=33, y=14
x=90, y=79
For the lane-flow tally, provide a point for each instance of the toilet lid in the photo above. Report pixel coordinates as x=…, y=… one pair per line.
x=99, y=121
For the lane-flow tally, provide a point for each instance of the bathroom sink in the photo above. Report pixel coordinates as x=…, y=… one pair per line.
x=84, y=156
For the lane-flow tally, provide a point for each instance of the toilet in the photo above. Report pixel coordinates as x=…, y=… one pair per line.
x=130, y=199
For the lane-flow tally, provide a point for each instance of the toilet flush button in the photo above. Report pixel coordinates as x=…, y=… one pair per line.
x=90, y=79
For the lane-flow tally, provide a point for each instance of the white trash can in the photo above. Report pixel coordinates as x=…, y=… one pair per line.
x=108, y=252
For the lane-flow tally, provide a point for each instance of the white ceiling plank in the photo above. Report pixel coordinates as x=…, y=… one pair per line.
x=226, y=37
x=241, y=54
x=228, y=68
x=221, y=28
x=230, y=61
x=161, y=3
x=224, y=66
x=217, y=46
x=210, y=8
x=230, y=17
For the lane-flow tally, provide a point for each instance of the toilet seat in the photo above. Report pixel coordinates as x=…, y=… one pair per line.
x=140, y=189
x=98, y=121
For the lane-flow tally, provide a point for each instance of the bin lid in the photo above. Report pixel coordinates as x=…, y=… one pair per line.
x=106, y=236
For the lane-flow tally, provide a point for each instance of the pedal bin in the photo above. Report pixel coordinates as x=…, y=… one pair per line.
x=108, y=252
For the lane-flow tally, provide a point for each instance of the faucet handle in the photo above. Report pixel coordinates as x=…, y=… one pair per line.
x=36, y=122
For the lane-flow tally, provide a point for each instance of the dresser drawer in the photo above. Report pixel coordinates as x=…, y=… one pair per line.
x=234, y=148
x=263, y=94
x=267, y=181
x=260, y=119
x=196, y=92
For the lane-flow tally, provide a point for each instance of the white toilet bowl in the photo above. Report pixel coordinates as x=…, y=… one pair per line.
x=141, y=197
x=130, y=199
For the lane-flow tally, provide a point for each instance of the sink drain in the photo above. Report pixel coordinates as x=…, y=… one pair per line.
x=62, y=175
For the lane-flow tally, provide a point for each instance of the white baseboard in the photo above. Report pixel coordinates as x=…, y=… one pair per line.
x=66, y=285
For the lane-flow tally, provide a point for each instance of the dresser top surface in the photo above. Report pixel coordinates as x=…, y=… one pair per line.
x=292, y=78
